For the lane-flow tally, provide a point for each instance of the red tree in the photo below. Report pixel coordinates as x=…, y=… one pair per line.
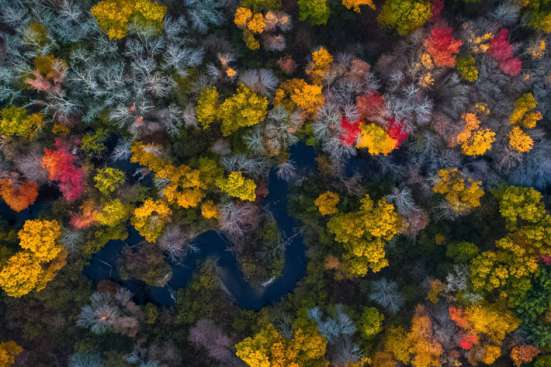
x=396, y=131
x=371, y=106
x=441, y=45
x=61, y=167
x=18, y=195
x=349, y=131
x=501, y=50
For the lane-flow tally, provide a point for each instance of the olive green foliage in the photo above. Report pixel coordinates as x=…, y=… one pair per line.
x=202, y=298
x=405, y=16
x=261, y=4
x=207, y=105
x=146, y=263
x=315, y=12
x=15, y=121
x=543, y=361
x=93, y=144
x=533, y=308
x=462, y=252
x=539, y=14
x=371, y=322
x=466, y=67
x=107, y=180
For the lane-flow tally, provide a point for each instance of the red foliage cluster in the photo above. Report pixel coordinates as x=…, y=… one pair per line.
x=18, y=196
x=457, y=315
x=61, y=167
x=371, y=106
x=468, y=341
x=396, y=131
x=501, y=50
x=86, y=218
x=441, y=45
x=349, y=131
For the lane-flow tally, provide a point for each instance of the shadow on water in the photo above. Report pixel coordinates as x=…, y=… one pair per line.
x=213, y=244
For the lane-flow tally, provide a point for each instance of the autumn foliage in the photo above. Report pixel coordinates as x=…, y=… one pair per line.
x=38, y=262
x=62, y=168
x=501, y=51
x=363, y=234
x=442, y=46
x=8, y=353
x=18, y=195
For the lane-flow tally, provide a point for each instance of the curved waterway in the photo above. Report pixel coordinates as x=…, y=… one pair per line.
x=213, y=244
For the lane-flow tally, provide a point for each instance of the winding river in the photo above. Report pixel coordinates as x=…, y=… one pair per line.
x=213, y=244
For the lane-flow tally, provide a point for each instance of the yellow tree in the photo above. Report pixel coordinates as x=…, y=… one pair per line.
x=114, y=16
x=150, y=219
x=20, y=274
x=376, y=140
x=327, y=203
x=40, y=238
x=296, y=93
x=461, y=193
x=517, y=254
x=363, y=235
x=8, y=353
x=38, y=263
x=355, y=4
x=245, y=108
x=238, y=186
x=320, y=65
x=269, y=348
x=424, y=348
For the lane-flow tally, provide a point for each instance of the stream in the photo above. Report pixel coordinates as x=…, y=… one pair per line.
x=213, y=244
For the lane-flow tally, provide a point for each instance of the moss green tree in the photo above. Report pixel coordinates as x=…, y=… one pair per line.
x=405, y=16
x=371, y=322
x=315, y=12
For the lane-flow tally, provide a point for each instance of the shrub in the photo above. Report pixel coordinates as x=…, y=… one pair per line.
x=462, y=252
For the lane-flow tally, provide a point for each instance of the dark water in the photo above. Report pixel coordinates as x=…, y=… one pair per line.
x=212, y=244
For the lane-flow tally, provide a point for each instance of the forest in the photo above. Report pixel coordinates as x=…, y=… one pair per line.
x=275, y=183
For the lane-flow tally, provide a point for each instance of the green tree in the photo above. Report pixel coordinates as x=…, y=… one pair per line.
x=405, y=15
x=371, y=322
x=107, y=180
x=315, y=12
x=15, y=121
x=461, y=252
